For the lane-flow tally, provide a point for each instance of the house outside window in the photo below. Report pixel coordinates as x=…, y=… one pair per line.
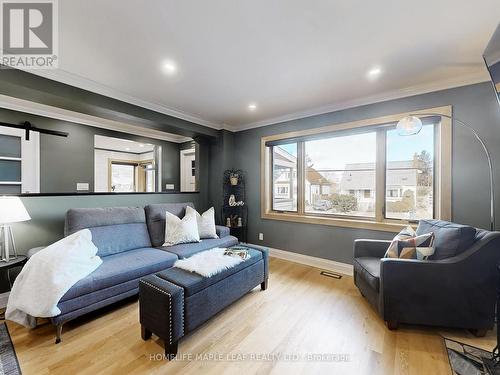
x=362, y=174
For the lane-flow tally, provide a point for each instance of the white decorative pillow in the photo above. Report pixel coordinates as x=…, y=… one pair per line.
x=181, y=231
x=206, y=222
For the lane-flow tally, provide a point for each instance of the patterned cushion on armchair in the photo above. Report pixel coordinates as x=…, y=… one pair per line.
x=407, y=244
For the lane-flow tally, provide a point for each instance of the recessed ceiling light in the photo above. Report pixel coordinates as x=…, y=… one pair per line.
x=252, y=106
x=374, y=73
x=127, y=149
x=169, y=67
x=141, y=145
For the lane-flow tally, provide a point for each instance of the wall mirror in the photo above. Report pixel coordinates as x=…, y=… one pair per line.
x=126, y=166
x=92, y=160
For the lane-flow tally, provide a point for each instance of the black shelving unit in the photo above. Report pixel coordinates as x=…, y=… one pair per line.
x=235, y=212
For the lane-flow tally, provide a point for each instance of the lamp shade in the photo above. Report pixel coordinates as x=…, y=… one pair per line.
x=409, y=125
x=12, y=210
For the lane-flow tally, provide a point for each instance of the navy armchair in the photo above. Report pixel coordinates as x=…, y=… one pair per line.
x=458, y=291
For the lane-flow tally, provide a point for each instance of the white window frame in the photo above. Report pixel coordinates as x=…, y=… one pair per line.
x=442, y=182
x=30, y=160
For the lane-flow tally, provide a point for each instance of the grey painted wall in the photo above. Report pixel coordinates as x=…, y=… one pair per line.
x=47, y=213
x=475, y=104
x=221, y=155
x=66, y=161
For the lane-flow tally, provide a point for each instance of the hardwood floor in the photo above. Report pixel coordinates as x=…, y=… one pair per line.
x=302, y=313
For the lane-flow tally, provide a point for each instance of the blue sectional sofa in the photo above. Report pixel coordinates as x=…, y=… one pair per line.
x=129, y=241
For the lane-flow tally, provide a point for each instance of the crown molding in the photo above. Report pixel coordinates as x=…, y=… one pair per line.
x=21, y=105
x=477, y=77
x=75, y=80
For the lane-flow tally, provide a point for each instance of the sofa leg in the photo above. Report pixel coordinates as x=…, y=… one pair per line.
x=171, y=350
x=59, y=332
x=479, y=332
x=145, y=333
x=263, y=285
x=392, y=324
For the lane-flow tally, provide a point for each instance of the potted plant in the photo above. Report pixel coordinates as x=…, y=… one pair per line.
x=233, y=179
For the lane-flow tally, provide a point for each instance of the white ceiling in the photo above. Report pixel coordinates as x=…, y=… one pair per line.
x=120, y=144
x=292, y=58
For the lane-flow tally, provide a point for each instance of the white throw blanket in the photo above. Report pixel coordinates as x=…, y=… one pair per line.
x=48, y=275
x=209, y=263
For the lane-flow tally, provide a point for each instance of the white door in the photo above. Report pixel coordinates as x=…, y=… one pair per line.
x=188, y=170
x=19, y=162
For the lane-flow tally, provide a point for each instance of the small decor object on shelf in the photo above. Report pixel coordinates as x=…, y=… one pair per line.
x=233, y=178
x=234, y=221
x=228, y=222
x=240, y=222
x=232, y=201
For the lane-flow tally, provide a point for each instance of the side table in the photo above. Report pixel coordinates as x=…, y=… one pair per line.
x=18, y=261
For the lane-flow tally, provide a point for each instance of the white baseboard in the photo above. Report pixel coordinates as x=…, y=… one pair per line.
x=3, y=300
x=325, y=264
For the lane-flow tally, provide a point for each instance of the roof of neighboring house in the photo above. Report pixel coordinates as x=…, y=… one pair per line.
x=316, y=178
x=285, y=159
x=362, y=175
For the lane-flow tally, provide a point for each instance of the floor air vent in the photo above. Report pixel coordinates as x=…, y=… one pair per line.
x=331, y=274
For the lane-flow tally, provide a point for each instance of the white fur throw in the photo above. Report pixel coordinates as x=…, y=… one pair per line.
x=208, y=263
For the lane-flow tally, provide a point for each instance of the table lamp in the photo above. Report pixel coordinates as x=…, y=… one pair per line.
x=12, y=210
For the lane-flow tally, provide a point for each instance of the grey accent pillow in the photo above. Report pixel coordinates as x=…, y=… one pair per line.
x=450, y=238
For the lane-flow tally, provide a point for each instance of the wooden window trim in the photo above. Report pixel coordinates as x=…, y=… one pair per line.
x=443, y=165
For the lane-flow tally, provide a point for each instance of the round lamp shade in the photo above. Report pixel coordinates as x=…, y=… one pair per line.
x=12, y=210
x=409, y=125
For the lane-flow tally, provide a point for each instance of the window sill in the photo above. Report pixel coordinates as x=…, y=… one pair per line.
x=386, y=226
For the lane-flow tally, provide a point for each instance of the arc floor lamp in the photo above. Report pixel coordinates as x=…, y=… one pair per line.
x=411, y=125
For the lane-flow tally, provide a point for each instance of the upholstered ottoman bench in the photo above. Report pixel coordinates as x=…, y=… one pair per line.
x=174, y=302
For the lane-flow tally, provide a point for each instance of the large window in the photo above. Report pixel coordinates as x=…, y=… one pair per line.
x=359, y=174
x=410, y=175
x=339, y=180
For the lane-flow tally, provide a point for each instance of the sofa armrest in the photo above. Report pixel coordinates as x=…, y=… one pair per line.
x=34, y=250
x=370, y=248
x=265, y=257
x=222, y=231
x=161, y=308
x=441, y=292
x=423, y=272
